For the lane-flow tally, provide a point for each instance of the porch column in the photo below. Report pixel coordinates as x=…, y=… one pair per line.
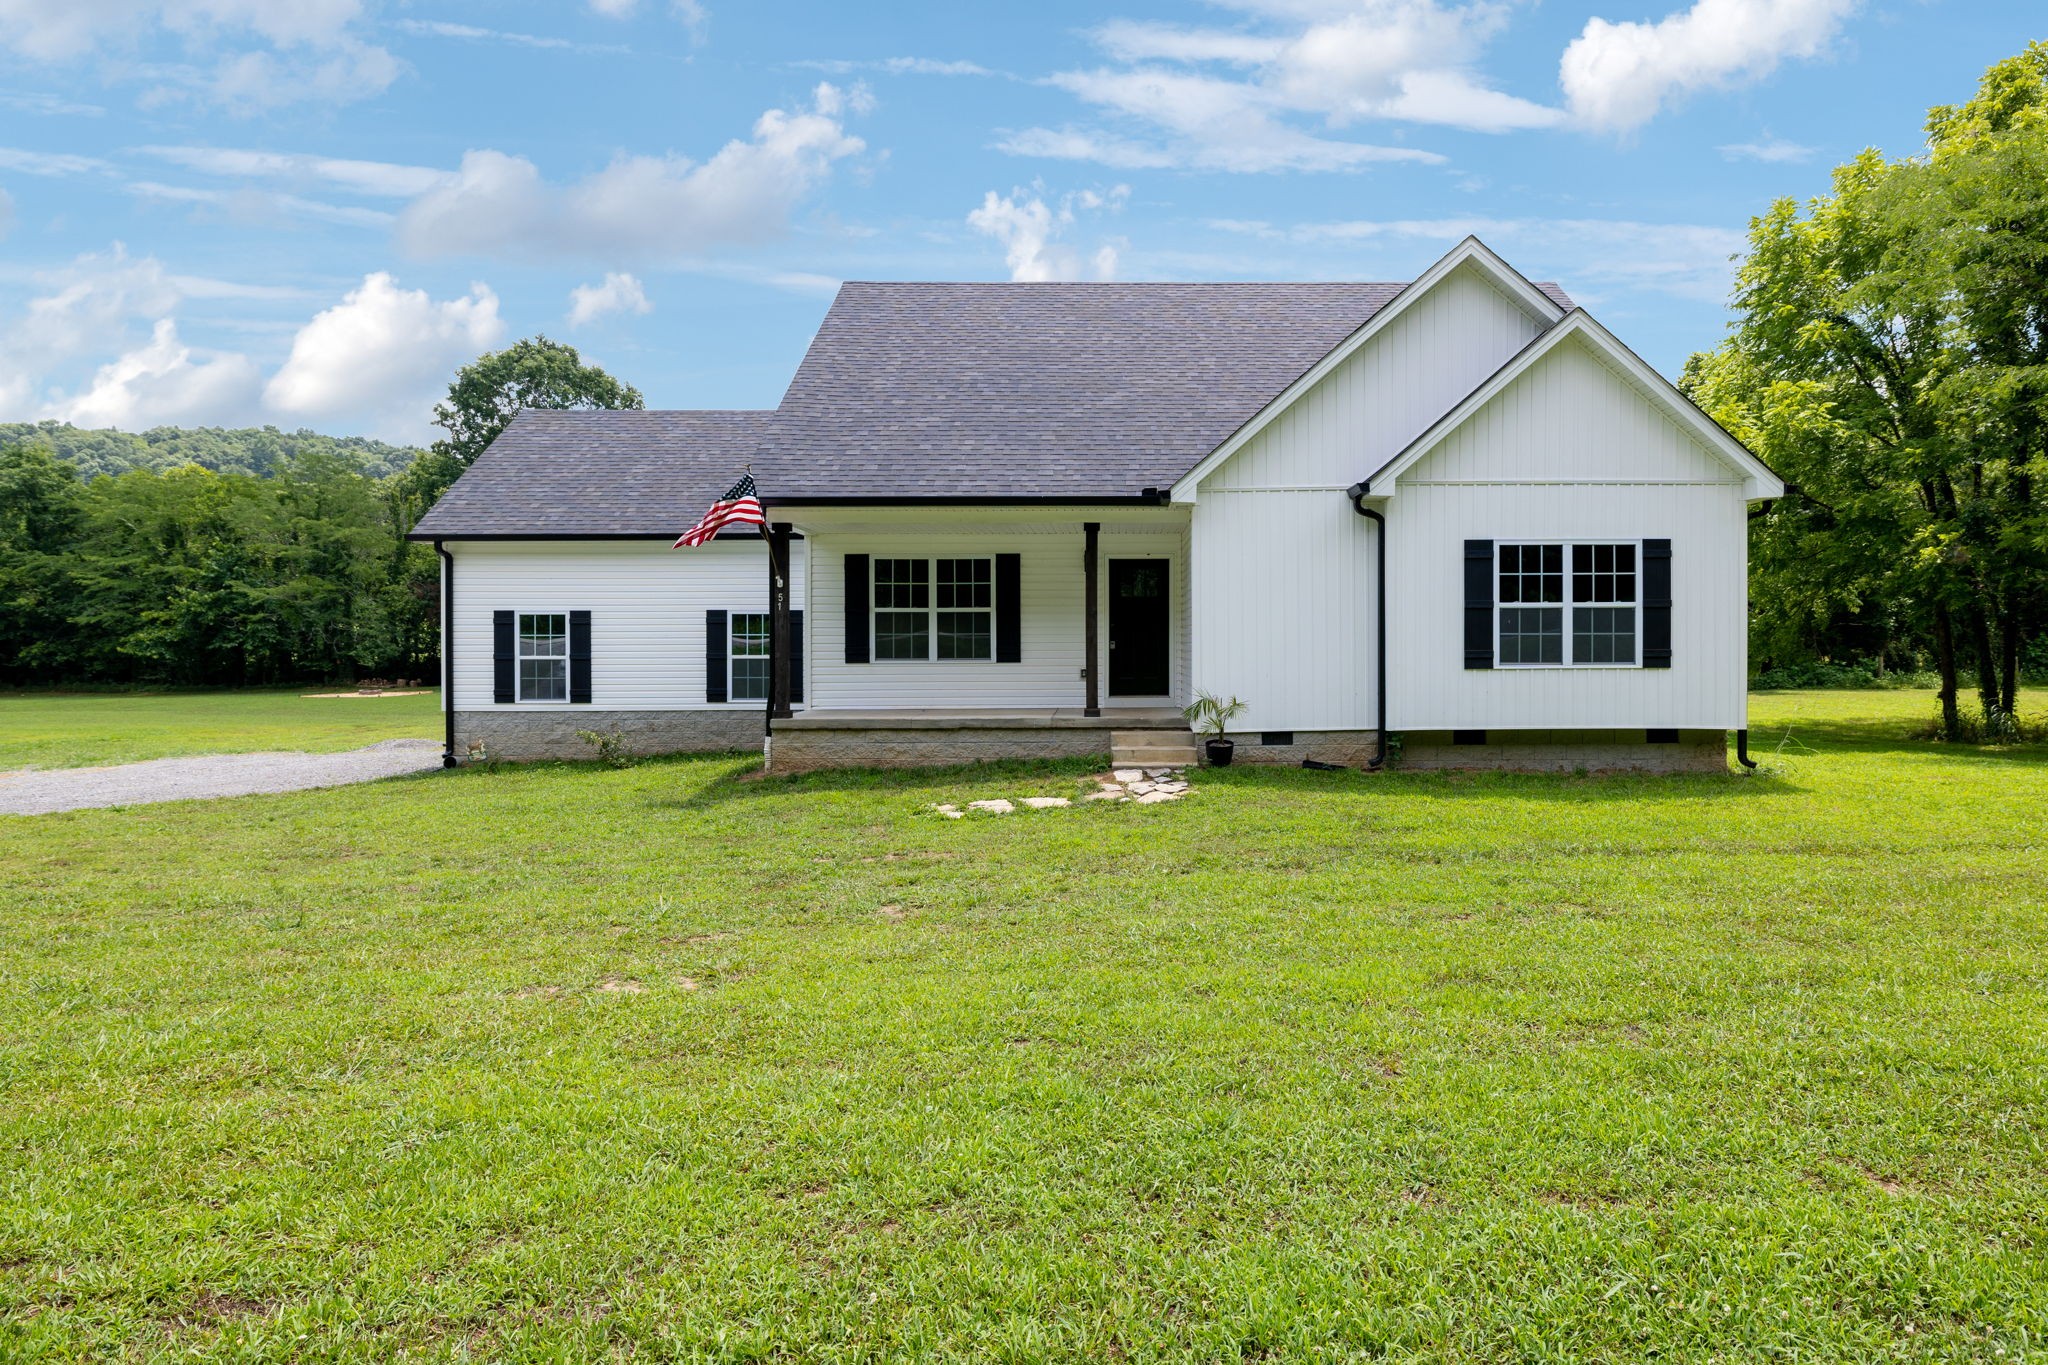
x=778, y=622
x=1091, y=532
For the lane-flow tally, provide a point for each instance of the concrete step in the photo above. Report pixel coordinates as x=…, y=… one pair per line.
x=1153, y=758
x=1151, y=739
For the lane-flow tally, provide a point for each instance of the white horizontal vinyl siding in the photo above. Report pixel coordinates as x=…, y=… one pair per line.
x=646, y=605
x=1369, y=408
x=1052, y=603
x=1283, y=590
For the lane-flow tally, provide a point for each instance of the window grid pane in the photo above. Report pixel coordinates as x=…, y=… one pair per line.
x=965, y=635
x=750, y=679
x=544, y=679
x=1603, y=635
x=902, y=635
x=1603, y=573
x=903, y=583
x=1532, y=573
x=544, y=636
x=749, y=634
x=965, y=583
x=1532, y=635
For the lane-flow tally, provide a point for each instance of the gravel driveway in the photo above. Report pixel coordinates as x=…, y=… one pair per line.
x=32, y=791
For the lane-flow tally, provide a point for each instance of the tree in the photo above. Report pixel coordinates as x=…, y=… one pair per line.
x=535, y=373
x=1888, y=359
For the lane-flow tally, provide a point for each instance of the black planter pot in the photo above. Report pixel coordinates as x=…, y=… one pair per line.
x=1219, y=751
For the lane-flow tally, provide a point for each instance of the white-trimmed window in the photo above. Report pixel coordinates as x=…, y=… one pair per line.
x=748, y=641
x=1569, y=604
x=543, y=656
x=934, y=608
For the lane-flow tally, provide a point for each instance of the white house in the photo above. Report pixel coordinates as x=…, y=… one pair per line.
x=1037, y=519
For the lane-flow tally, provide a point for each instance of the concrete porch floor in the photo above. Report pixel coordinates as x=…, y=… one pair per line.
x=986, y=718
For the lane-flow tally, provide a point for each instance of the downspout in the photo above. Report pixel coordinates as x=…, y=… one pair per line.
x=1742, y=748
x=447, y=654
x=1357, y=493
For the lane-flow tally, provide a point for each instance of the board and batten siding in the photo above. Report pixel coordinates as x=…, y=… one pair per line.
x=1369, y=408
x=647, y=605
x=1571, y=450
x=1282, y=564
x=1052, y=628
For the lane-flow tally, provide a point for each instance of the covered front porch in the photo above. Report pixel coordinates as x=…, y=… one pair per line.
x=939, y=634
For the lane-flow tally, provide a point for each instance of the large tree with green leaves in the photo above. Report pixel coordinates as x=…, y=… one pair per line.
x=1888, y=359
x=488, y=393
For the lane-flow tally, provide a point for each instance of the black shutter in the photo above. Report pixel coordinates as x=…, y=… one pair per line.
x=1009, y=609
x=1656, y=604
x=856, y=609
x=796, y=656
x=1479, y=604
x=579, y=657
x=503, y=659
x=714, y=656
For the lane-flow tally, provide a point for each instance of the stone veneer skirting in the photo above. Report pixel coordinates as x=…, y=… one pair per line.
x=1348, y=748
x=1566, y=751
x=521, y=736
x=797, y=750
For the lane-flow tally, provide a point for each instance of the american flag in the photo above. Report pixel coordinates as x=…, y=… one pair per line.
x=741, y=506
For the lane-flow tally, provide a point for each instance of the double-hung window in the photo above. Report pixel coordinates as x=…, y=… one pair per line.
x=748, y=650
x=544, y=657
x=934, y=608
x=1568, y=605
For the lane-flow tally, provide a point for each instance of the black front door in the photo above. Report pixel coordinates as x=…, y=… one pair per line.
x=1138, y=662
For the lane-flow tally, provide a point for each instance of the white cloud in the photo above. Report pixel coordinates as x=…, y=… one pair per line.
x=32, y=102
x=6, y=212
x=1211, y=124
x=380, y=179
x=164, y=383
x=1231, y=98
x=376, y=360
x=1687, y=260
x=1616, y=76
x=372, y=363
x=693, y=14
x=1771, y=149
x=426, y=28
x=1029, y=230
x=50, y=163
x=900, y=66
x=259, y=206
x=618, y=293
x=654, y=207
x=269, y=52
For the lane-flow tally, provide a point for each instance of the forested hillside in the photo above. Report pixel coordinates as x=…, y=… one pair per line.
x=215, y=556
x=261, y=451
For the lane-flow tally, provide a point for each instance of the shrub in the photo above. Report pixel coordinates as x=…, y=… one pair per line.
x=610, y=746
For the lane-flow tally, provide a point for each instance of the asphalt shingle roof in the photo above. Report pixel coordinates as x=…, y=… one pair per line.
x=598, y=474
x=936, y=391
x=1043, y=390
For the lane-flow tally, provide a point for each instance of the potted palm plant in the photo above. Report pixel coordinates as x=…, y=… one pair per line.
x=1211, y=716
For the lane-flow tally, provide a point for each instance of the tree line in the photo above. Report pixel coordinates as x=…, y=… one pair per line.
x=1889, y=358
x=234, y=558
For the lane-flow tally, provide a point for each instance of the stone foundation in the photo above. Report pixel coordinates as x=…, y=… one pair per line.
x=1347, y=748
x=1566, y=751
x=521, y=736
x=802, y=750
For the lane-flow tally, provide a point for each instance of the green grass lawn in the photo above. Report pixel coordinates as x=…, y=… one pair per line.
x=562, y=1063
x=81, y=729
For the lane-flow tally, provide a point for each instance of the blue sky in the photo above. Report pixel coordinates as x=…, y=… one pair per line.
x=307, y=213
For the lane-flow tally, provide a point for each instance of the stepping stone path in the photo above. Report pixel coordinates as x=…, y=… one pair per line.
x=1145, y=786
